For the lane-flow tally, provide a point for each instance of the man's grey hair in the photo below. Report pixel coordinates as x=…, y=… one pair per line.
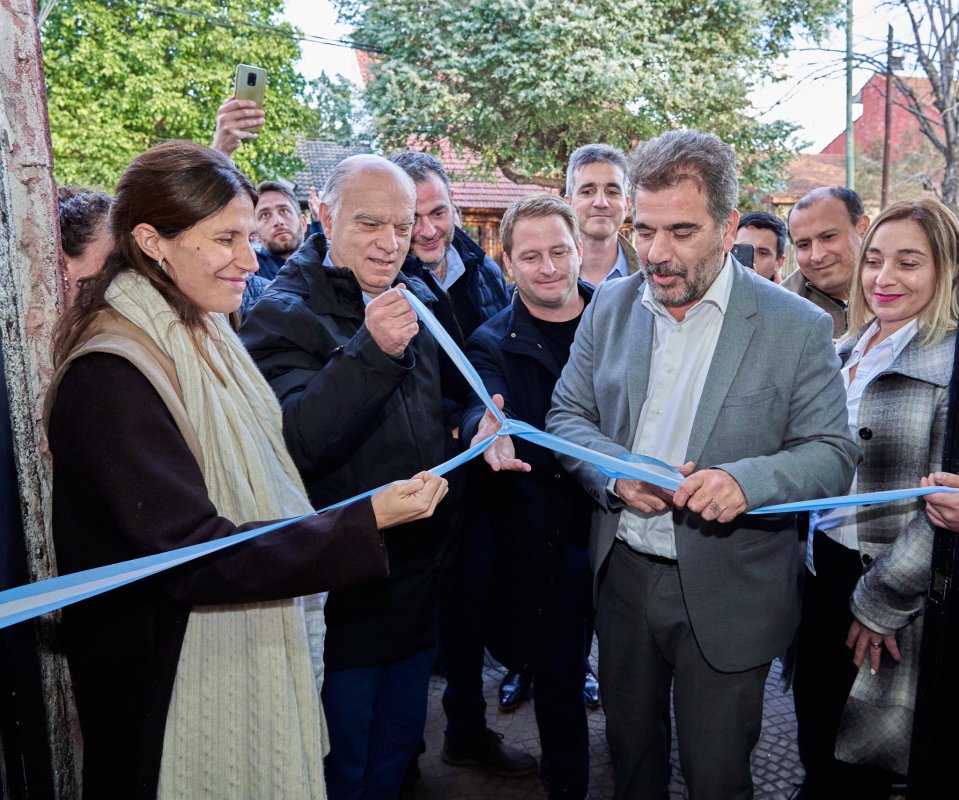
x=593, y=154
x=677, y=156
x=419, y=166
x=333, y=191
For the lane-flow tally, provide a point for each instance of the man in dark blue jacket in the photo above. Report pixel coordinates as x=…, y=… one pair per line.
x=540, y=516
x=470, y=289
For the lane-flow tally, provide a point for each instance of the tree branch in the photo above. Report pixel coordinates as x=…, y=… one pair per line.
x=506, y=167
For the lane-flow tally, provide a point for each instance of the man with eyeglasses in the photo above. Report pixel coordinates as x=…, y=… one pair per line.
x=540, y=598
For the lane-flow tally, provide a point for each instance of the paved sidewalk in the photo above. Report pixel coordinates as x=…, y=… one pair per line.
x=776, y=769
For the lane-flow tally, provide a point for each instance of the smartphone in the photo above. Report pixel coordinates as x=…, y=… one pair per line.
x=743, y=253
x=250, y=84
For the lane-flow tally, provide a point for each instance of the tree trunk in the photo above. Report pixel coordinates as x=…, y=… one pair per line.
x=29, y=301
x=950, y=179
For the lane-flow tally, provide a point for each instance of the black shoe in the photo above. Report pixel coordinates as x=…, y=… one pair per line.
x=513, y=690
x=591, y=690
x=489, y=753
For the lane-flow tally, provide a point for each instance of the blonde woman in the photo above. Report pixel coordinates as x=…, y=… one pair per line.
x=868, y=568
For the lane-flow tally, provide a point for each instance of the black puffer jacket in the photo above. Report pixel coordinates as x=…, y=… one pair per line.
x=355, y=418
x=472, y=299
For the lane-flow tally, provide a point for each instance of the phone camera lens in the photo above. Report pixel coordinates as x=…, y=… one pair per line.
x=251, y=79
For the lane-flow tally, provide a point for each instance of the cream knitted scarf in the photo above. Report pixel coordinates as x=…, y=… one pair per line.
x=244, y=720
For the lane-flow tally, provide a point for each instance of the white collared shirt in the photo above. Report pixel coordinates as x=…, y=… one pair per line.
x=839, y=524
x=681, y=356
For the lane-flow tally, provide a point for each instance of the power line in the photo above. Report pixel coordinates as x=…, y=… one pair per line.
x=236, y=25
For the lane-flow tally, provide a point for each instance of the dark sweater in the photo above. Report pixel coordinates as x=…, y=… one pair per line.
x=126, y=485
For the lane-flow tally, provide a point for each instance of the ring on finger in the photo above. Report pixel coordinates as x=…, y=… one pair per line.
x=875, y=645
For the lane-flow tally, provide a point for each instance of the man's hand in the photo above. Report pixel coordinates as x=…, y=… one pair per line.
x=943, y=508
x=862, y=640
x=236, y=122
x=391, y=322
x=500, y=455
x=407, y=501
x=644, y=496
x=711, y=493
x=313, y=201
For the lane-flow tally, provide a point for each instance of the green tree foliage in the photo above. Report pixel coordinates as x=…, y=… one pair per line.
x=522, y=83
x=121, y=76
x=340, y=117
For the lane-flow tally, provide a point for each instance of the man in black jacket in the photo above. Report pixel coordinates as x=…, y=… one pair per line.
x=470, y=289
x=468, y=282
x=541, y=516
x=359, y=386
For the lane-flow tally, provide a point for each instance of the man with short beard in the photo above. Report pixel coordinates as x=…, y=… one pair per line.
x=279, y=226
x=281, y=229
x=701, y=363
x=468, y=282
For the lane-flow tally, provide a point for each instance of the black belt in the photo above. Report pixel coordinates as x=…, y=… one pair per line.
x=669, y=562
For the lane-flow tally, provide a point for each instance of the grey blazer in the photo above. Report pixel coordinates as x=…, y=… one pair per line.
x=772, y=415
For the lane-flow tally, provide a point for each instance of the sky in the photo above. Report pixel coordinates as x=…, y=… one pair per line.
x=811, y=95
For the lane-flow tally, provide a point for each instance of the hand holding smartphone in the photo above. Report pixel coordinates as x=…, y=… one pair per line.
x=240, y=117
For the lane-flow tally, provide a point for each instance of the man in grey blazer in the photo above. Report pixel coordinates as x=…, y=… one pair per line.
x=697, y=361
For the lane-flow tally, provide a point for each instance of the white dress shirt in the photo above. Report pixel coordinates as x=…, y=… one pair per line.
x=839, y=524
x=681, y=356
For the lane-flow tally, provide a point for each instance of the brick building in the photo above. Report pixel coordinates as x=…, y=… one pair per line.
x=904, y=132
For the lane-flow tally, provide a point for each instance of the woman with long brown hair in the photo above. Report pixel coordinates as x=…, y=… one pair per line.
x=196, y=682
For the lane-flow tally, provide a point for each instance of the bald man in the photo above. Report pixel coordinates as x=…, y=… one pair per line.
x=359, y=386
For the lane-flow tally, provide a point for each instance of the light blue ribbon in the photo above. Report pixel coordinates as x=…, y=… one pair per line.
x=453, y=351
x=32, y=600
x=849, y=500
x=630, y=465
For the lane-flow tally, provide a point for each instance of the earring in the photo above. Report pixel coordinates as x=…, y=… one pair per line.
x=160, y=263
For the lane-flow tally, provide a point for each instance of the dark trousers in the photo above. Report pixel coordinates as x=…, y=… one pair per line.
x=647, y=645
x=375, y=717
x=462, y=643
x=558, y=675
x=825, y=674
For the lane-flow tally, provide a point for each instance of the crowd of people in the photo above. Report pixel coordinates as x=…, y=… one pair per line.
x=226, y=360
